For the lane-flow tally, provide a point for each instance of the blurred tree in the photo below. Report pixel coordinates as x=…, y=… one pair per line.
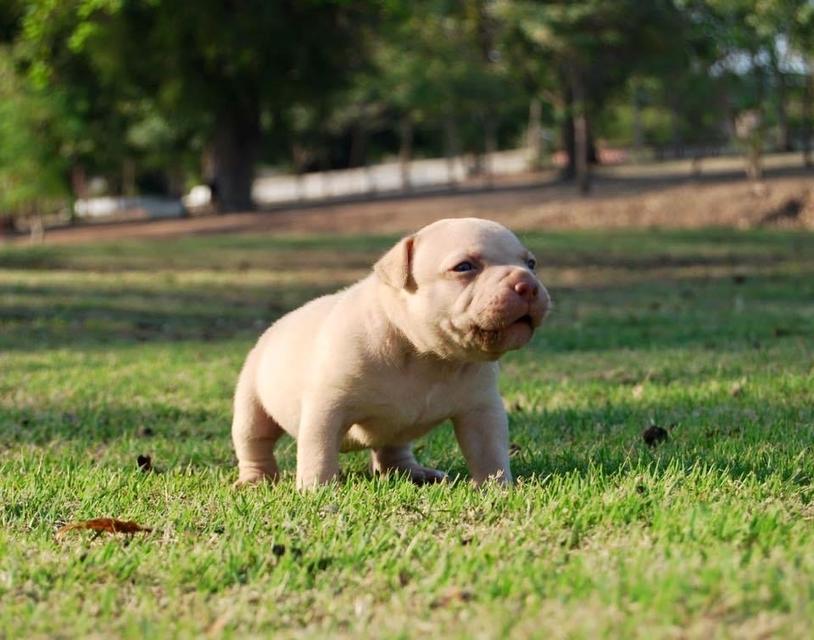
x=140, y=91
x=33, y=179
x=675, y=100
x=588, y=49
x=797, y=20
x=787, y=28
x=438, y=67
x=756, y=38
x=212, y=67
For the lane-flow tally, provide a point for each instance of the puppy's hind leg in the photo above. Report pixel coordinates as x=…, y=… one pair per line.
x=254, y=433
x=400, y=459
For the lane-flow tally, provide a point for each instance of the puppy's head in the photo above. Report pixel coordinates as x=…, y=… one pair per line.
x=463, y=289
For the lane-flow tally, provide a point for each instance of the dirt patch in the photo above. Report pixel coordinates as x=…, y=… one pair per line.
x=784, y=201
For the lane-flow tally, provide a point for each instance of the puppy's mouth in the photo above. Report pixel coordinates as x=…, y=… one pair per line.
x=525, y=320
x=493, y=339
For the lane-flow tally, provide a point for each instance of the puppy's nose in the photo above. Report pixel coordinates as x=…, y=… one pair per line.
x=526, y=290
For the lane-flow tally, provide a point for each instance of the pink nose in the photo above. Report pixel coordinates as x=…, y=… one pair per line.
x=526, y=290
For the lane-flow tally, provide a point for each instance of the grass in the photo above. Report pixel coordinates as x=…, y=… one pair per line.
x=112, y=351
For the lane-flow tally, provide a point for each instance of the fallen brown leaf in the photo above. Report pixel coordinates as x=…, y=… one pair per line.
x=451, y=596
x=102, y=525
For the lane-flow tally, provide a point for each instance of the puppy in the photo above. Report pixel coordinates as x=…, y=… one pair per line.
x=379, y=364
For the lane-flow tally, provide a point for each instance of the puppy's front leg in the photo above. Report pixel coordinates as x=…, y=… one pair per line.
x=483, y=434
x=318, y=441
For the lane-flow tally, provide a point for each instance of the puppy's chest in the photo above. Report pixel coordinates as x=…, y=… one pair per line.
x=407, y=411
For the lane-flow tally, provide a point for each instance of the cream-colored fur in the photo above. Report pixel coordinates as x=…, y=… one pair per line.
x=382, y=362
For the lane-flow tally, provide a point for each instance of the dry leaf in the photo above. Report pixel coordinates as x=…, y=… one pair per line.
x=451, y=596
x=101, y=525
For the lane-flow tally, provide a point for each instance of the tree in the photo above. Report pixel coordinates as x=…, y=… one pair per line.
x=797, y=16
x=31, y=174
x=219, y=68
x=588, y=49
x=755, y=36
x=437, y=68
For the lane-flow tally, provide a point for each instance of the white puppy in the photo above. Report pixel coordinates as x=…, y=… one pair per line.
x=384, y=361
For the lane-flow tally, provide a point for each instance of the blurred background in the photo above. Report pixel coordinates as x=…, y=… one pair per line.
x=154, y=108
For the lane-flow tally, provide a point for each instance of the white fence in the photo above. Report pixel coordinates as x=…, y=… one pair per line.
x=272, y=188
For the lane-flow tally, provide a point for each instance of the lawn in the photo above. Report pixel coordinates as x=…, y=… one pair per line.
x=111, y=351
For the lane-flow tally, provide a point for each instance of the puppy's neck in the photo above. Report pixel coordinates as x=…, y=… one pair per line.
x=399, y=346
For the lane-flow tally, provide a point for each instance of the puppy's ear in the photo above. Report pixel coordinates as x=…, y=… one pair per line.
x=395, y=266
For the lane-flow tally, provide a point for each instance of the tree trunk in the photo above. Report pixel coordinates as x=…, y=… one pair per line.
x=489, y=146
x=175, y=180
x=580, y=152
x=581, y=148
x=755, y=149
x=638, y=126
x=79, y=189
x=676, y=139
x=567, y=132
x=591, y=153
x=782, y=114
x=6, y=224
x=129, y=177
x=569, y=171
x=782, y=93
x=406, y=151
x=808, y=115
x=451, y=148
x=299, y=161
x=358, y=146
x=581, y=133
x=235, y=151
x=534, y=134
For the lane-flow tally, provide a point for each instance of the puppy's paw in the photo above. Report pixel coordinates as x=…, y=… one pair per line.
x=425, y=475
x=250, y=477
x=399, y=460
x=416, y=473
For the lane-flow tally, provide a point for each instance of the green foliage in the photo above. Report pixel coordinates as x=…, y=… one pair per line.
x=159, y=85
x=31, y=174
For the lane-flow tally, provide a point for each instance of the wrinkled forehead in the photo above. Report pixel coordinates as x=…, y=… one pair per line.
x=482, y=239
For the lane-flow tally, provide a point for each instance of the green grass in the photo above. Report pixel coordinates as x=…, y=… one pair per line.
x=111, y=351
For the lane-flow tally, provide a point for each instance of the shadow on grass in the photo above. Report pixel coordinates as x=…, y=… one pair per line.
x=631, y=249
x=658, y=313
x=211, y=253
x=55, y=316
x=551, y=443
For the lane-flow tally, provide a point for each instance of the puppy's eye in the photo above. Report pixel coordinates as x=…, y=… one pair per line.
x=531, y=263
x=464, y=266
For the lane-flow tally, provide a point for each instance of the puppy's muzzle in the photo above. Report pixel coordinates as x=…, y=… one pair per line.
x=533, y=295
